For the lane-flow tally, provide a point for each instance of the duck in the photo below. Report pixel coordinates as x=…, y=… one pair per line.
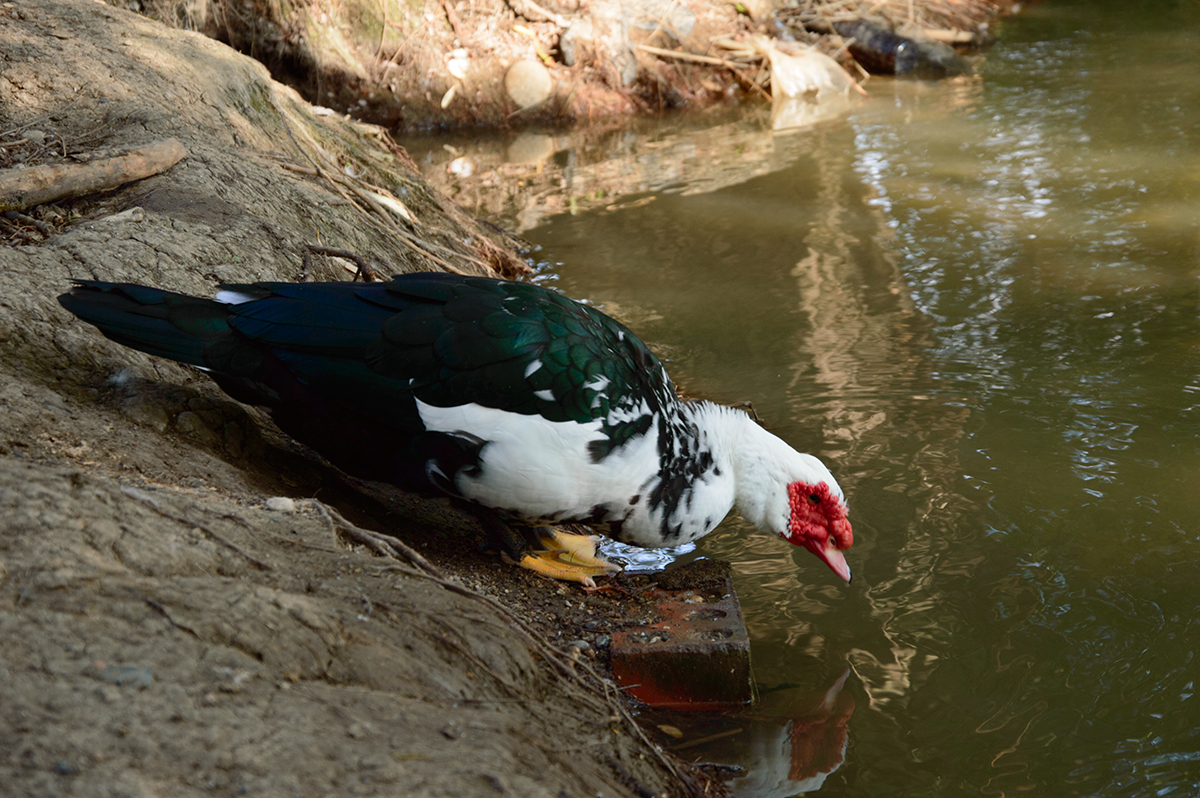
x=532, y=409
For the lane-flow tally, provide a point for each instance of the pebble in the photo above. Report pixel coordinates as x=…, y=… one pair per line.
x=281, y=504
x=528, y=83
x=134, y=214
x=138, y=676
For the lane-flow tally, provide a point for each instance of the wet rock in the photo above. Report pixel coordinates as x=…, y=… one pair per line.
x=708, y=576
x=693, y=655
x=884, y=51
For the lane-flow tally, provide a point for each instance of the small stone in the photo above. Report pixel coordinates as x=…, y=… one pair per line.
x=138, y=676
x=281, y=504
x=528, y=83
x=135, y=214
x=670, y=731
x=36, y=136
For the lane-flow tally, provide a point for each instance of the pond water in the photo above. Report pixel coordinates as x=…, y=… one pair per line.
x=977, y=301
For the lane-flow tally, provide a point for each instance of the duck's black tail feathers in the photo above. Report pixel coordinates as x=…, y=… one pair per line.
x=157, y=322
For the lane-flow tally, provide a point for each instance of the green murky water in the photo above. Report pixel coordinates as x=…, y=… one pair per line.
x=978, y=302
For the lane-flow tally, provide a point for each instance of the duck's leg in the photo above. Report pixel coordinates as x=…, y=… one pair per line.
x=547, y=551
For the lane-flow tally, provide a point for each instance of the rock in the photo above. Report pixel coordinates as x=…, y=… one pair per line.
x=882, y=50
x=281, y=504
x=134, y=214
x=602, y=36
x=528, y=83
x=192, y=424
x=145, y=411
x=138, y=676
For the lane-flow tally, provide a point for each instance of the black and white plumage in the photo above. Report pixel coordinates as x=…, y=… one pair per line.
x=504, y=394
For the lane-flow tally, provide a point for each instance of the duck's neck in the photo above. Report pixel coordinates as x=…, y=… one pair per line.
x=754, y=458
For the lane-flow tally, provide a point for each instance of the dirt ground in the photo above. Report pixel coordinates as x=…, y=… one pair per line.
x=170, y=626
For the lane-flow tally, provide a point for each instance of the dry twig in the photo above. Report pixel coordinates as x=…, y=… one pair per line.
x=365, y=270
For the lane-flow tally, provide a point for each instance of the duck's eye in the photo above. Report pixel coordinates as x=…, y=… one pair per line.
x=814, y=498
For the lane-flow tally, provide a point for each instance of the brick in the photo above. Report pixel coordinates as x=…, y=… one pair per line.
x=693, y=654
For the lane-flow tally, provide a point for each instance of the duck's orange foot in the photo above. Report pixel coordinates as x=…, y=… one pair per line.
x=571, y=558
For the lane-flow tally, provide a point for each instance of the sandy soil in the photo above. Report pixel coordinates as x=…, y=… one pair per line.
x=167, y=630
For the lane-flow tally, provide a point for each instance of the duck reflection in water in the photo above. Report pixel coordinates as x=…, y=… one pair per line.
x=794, y=740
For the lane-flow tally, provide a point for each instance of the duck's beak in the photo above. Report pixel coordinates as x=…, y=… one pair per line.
x=833, y=557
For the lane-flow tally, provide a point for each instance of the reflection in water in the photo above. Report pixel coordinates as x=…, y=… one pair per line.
x=978, y=301
x=792, y=742
x=521, y=182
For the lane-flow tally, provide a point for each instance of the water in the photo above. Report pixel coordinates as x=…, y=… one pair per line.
x=977, y=301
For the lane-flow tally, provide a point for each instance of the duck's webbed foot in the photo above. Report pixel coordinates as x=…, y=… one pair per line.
x=551, y=552
x=566, y=556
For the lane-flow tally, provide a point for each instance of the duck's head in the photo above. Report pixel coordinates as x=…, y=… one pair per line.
x=793, y=495
x=817, y=521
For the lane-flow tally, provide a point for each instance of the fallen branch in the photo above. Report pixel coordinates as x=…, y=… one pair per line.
x=36, y=185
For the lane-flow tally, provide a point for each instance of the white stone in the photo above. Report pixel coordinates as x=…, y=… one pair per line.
x=281, y=504
x=528, y=83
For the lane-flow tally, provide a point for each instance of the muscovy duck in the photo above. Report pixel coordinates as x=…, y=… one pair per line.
x=531, y=406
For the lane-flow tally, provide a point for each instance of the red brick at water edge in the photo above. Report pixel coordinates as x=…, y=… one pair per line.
x=695, y=654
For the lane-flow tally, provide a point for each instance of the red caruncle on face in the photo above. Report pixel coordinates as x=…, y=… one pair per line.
x=818, y=523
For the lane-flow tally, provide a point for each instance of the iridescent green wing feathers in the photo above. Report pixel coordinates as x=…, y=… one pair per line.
x=512, y=346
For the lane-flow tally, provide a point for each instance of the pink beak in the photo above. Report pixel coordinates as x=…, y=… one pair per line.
x=833, y=557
